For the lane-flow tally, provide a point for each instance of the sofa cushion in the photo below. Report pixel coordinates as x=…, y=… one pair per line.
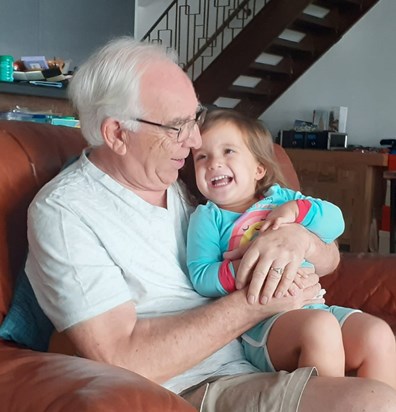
x=33, y=381
x=25, y=322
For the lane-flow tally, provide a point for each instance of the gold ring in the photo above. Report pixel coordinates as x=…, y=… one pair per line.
x=279, y=271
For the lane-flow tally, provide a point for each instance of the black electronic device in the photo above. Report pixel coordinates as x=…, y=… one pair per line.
x=324, y=140
x=290, y=138
x=391, y=143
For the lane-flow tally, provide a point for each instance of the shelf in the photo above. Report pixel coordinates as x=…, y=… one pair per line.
x=27, y=89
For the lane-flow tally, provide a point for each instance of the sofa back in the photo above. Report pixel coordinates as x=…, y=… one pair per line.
x=30, y=155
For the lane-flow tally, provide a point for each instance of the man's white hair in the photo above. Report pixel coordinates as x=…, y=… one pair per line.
x=108, y=84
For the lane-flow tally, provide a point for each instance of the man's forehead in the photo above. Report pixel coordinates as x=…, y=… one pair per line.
x=166, y=88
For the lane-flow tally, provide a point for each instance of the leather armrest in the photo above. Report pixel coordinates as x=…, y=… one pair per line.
x=35, y=381
x=366, y=281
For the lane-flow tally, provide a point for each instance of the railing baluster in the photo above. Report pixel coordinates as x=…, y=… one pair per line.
x=201, y=29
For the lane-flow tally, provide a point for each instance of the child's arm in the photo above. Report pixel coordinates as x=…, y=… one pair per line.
x=210, y=274
x=318, y=216
x=286, y=213
x=322, y=218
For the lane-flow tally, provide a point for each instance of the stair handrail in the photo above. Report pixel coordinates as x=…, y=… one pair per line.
x=155, y=24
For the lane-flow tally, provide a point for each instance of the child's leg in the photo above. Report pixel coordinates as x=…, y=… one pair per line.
x=307, y=338
x=370, y=348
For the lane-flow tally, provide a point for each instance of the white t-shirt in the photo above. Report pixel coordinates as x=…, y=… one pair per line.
x=93, y=245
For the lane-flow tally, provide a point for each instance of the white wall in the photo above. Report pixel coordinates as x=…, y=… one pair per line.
x=147, y=13
x=359, y=72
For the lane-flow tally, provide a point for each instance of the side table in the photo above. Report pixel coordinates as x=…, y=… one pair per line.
x=391, y=176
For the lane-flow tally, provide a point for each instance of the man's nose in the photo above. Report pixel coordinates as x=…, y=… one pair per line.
x=194, y=140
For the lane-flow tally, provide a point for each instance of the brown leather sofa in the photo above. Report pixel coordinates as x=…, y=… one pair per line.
x=30, y=155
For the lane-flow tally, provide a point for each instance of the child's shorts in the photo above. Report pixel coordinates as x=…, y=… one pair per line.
x=254, y=340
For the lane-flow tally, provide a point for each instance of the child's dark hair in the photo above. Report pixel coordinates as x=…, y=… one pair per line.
x=259, y=141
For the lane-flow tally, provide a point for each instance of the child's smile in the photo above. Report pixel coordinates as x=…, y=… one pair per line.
x=222, y=180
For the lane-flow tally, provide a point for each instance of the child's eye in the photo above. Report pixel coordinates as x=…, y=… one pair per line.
x=199, y=157
x=228, y=151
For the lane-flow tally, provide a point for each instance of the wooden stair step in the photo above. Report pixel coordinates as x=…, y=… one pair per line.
x=342, y=3
x=329, y=22
x=304, y=46
x=239, y=92
x=266, y=87
x=284, y=67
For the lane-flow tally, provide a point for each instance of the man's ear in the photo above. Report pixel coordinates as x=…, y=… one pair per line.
x=114, y=136
x=260, y=172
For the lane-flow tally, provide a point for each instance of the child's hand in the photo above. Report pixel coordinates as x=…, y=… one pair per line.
x=299, y=282
x=286, y=213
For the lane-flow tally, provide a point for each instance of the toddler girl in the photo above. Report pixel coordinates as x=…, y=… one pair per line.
x=236, y=171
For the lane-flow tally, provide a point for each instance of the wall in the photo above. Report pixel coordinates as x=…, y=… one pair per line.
x=69, y=29
x=147, y=13
x=359, y=72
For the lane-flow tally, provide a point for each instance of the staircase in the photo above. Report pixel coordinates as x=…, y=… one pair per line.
x=259, y=49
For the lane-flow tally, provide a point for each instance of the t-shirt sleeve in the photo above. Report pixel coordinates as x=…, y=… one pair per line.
x=71, y=273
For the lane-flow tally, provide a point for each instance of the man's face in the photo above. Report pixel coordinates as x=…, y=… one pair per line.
x=154, y=156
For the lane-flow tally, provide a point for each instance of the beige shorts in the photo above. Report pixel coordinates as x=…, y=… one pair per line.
x=261, y=392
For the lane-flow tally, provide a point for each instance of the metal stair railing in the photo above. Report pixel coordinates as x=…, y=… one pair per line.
x=199, y=30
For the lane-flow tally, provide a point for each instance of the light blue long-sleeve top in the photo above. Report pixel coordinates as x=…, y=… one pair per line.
x=212, y=231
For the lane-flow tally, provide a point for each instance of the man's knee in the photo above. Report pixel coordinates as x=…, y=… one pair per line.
x=347, y=394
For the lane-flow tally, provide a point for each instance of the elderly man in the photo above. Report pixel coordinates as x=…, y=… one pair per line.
x=107, y=251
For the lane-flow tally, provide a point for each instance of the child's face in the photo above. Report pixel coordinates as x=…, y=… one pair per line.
x=226, y=171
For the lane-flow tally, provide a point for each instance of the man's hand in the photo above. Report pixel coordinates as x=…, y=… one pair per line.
x=308, y=293
x=271, y=262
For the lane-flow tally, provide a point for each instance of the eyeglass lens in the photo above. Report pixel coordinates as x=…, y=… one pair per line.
x=187, y=128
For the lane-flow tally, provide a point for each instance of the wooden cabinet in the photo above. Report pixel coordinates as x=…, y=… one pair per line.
x=353, y=180
x=391, y=176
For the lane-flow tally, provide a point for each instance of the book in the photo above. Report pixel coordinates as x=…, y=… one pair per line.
x=34, y=62
x=321, y=119
x=338, y=119
x=30, y=75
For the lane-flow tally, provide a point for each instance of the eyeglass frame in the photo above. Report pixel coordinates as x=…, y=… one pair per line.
x=199, y=119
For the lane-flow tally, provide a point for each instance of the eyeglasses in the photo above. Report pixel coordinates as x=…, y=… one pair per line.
x=183, y=132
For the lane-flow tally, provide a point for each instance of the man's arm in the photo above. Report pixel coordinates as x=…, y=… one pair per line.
x=160, y=348
x=324, y=256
